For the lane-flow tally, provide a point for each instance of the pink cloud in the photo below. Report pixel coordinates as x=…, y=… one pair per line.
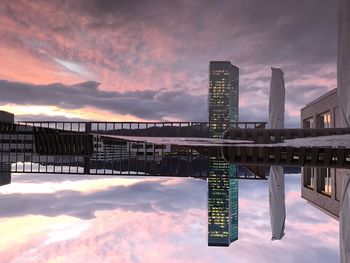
x=119, y=236
x=158, y=49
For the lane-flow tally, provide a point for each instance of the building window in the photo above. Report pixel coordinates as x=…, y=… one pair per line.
x=325, y=181
x=137, y=146
x=324, y=120
x=308, y=123
x=309, y=177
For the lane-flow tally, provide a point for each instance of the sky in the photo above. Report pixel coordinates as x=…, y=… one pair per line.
x=148, y=60
x=123, y=60
x=50, y=218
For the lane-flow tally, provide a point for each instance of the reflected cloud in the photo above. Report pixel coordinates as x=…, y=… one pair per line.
x=154, y=220
x=86, y=197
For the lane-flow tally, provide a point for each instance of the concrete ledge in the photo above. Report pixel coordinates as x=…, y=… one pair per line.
x=6, y=117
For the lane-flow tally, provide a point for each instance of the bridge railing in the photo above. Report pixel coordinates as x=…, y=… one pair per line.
x=111, y=157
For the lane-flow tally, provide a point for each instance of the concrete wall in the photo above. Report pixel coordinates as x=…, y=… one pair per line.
x=329, y=203
x=325, y=103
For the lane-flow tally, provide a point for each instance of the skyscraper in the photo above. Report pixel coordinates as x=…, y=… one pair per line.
x=222, y=192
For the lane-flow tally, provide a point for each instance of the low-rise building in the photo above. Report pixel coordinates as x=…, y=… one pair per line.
x=322, y=186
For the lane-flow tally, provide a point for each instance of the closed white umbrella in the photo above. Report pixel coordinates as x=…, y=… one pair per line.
x=344, y=59
x=276, y=178
x=344, y=105
x=277, y=99
x=344, y=224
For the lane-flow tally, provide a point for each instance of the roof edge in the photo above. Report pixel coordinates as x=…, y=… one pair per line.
x=325, y=95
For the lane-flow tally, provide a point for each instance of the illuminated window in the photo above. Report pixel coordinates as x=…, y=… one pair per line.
x=308, y=123
x=309, y=177
x=324, y=120
x=325, y=181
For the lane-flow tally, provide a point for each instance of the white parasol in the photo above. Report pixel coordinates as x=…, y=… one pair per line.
x=276, y=178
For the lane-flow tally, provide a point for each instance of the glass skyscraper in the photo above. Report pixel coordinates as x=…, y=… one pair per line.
x=222, y=192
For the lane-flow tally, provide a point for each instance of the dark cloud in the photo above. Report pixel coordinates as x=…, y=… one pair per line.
x=253, y=113
x=249, y=32
x=301, y=95
x=144, y=41
x=147, y=104
x=298, y=33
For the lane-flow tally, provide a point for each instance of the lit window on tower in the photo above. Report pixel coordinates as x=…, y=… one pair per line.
x=222, y=191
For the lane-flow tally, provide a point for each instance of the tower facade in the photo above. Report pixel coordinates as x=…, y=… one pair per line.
x=222, y=192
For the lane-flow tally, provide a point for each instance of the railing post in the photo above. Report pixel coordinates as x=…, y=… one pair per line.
x=87, y=159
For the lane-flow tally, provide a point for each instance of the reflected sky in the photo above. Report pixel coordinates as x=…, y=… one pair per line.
x=59, y=218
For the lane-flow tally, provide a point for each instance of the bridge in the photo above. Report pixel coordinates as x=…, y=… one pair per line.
x=130, y=148
x=83, y=148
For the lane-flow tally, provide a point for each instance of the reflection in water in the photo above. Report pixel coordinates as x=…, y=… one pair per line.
x=222, y=203
x=177, y=160
x=110, y=221
x=222, y=192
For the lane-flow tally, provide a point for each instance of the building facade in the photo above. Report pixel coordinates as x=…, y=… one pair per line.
x=5, y=163
x=322, y=187
x=109, y=151
x=222, y=192
x=148, y=151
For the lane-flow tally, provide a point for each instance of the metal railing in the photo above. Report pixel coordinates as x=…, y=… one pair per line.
x=316, y=156
x=108, y=157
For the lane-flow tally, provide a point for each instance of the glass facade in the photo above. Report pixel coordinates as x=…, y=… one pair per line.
x=222, y=192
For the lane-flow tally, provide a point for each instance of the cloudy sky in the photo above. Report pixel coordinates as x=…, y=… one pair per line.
x=95, y=219
x=148, y=60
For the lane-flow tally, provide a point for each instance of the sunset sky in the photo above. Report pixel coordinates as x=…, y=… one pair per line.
x=148, y=60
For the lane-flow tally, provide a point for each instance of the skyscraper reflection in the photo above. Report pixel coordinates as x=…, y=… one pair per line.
x=222, y=192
